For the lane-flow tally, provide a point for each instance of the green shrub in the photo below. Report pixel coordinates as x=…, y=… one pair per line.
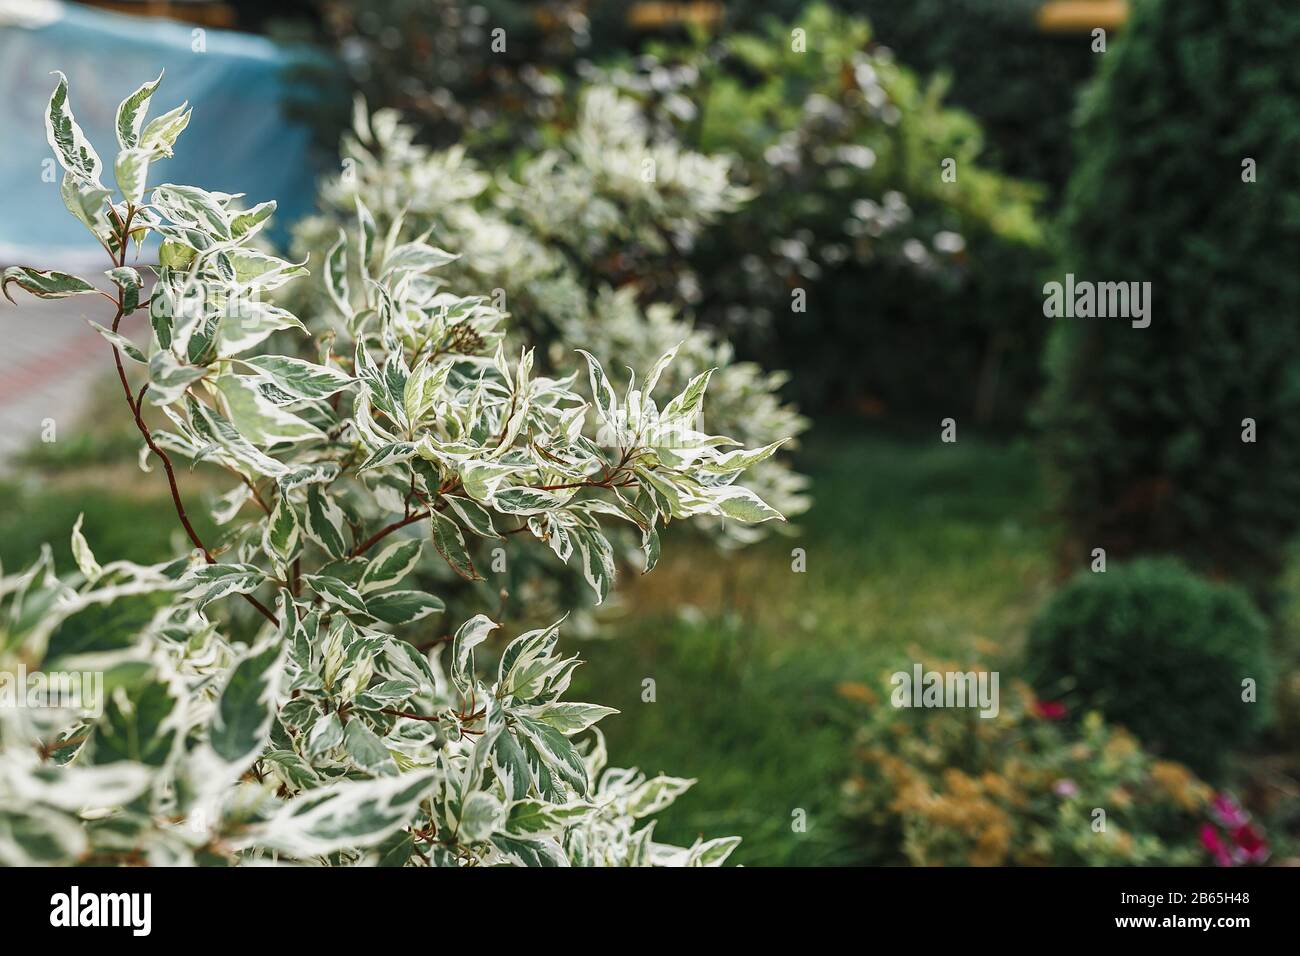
x=1145, y=426
x=881, y=259
x=327, y=730
x=1023, y=96
x=500, y=98
x=1159, y=650
x=913, y=282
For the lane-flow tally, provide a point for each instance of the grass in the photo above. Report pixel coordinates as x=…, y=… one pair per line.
x=914, y=549
x=93, y=470
x=123, y=525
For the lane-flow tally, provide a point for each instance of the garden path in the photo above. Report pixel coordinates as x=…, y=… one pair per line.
x=49, y=361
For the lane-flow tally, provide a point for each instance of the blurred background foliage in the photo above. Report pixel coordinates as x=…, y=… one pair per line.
x=923, y=302
x=842, y=145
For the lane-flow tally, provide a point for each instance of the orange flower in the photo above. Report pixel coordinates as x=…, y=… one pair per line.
x=856, y=691
x=1180, y=784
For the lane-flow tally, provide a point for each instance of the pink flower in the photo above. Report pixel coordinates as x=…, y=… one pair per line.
x=1244, y=843
x=1049, y=709
x=1228, y=811
x=1065, y=787
x=1251, y=846
x=1210, y=840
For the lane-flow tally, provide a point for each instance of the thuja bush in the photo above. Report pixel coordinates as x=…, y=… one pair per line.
x=1184, y=437
x=280, y=692
x=1180, y=661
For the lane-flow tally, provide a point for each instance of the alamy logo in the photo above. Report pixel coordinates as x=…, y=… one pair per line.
x=946, y=689
x=134, y=910
x=1100, y=300
x=53, y=690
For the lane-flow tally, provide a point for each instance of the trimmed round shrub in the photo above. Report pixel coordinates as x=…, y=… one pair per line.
x=1160, y=650
x=1187, y=179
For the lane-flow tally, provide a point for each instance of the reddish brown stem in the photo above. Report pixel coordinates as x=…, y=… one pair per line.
x=385, y=531
x=136, y=404
x=400, y=713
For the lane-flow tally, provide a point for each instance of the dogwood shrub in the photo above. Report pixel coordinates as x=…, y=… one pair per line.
x=280, y=692
x=571, y=245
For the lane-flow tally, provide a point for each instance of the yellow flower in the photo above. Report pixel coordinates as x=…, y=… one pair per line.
x=1121, y=745
x=856, y=691
x=996, y=785
x=1182, y=786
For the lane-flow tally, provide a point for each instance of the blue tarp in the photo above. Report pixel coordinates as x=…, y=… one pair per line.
x=238, y=140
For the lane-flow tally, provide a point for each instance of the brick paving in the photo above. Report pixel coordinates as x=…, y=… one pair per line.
x=49, y=361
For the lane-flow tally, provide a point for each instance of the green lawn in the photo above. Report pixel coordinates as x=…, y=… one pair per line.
x=93, y=469
x=134, y=527
x=914, y=548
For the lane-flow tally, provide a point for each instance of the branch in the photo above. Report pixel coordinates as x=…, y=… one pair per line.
x=446, y=489
x=400, y=713
x=385, y=531
x=610, y=480
x=136, y=404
